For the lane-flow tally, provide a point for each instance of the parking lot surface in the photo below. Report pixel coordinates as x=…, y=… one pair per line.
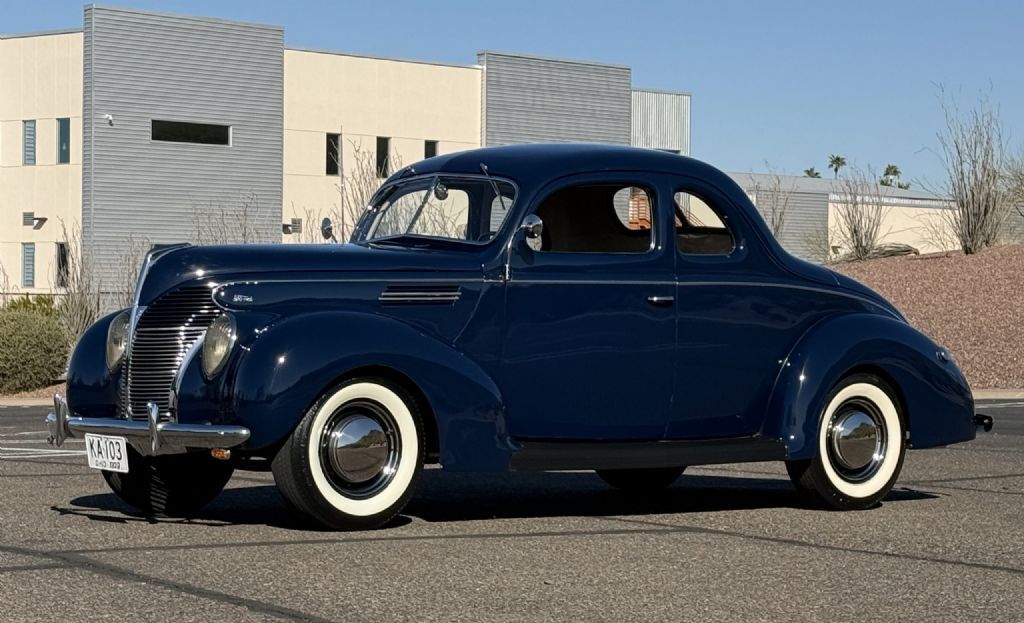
x=726, y=543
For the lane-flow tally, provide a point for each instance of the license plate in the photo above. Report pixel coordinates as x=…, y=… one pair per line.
x=107, y=453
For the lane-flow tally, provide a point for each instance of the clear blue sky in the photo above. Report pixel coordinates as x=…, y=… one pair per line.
x=783, y=82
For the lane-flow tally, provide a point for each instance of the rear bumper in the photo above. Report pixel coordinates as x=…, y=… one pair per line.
x=983, y=422
x=149, y=438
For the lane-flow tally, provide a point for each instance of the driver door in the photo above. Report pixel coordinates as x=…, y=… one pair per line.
x=589, y=343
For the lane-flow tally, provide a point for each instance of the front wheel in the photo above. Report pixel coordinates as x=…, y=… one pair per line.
x=354, y=459
x=860, y=446
x=174, y=485
x=641, y=480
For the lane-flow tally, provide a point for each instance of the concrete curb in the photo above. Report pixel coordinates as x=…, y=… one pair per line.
x=26, y=402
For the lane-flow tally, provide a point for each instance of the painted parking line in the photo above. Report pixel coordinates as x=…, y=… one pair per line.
x=1000, y=405
x=7, y=452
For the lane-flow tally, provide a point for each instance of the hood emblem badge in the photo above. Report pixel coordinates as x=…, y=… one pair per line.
x=241, y=298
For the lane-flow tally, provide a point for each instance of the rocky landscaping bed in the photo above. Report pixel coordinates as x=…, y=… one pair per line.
x=971, y=304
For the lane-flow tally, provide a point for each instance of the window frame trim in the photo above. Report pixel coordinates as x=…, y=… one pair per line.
x=230, y=127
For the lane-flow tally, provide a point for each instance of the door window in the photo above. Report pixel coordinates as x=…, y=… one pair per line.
x=597, y=218
x=700, y=228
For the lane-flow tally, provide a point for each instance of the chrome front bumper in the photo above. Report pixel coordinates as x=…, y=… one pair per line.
x=149, y=438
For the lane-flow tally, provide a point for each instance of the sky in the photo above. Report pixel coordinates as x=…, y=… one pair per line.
x=779, y=85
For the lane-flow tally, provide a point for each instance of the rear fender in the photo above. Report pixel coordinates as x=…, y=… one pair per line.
x=934, y=395
x=282, y=373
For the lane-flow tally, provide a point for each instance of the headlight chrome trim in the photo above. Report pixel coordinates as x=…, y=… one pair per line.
x=218, y=342
x=117, y=340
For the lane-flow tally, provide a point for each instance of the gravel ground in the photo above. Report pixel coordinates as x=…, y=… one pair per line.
x=44, y=392
x=971, y=304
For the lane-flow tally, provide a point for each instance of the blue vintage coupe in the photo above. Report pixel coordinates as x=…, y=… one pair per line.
x=544, y=307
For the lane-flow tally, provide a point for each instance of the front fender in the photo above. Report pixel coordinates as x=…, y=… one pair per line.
x=934, y=394
x=294, y=360
x=91, y=388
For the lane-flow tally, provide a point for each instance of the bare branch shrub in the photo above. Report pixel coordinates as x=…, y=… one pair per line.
x=974, y=154
x=79, y=304
x=860, y=208
x=217, y=223
x=357, y=183
x=816, y=245
x=129, y=262
x=6, y=291
x=935, y=231
x=773, y=198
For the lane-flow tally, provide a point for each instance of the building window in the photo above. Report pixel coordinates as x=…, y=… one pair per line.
x=383, y=156
x=429, y=149
x=28, y=264
x=333, y=154
x=28, y=142
x=63, y=141
x=182, y=132
x=28, y=219
x=62, y=264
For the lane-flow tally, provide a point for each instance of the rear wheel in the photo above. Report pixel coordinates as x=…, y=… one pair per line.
x=860, y=446
x=641, y=480
x=354, y=459
x=172, y=485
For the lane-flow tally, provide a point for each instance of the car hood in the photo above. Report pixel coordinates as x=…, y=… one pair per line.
x=172, y=266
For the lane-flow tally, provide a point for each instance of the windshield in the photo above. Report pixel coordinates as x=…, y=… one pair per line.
x=468, y=209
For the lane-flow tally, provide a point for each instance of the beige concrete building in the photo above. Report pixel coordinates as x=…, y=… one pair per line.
x=342, y=111
x=219, y=118
x=40, y=154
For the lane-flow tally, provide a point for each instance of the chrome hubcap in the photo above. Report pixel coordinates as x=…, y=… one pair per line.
x=856, y=440
x=359, y=449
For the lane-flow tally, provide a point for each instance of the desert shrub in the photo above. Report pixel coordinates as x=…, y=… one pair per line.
x=34, y=350
x=35, y=304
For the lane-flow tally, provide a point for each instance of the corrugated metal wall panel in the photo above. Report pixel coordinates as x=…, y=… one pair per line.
x=142, y=66
x=529, y=99
x=806, y=217
x=661, y=120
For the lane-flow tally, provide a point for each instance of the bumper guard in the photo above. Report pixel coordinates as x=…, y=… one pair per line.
x=149, y=438
x=983, y=422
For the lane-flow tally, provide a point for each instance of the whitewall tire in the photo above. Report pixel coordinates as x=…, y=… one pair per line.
x=860, y=446
x=354, y=459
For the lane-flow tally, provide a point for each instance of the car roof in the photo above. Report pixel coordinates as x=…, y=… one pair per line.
x=539, y=162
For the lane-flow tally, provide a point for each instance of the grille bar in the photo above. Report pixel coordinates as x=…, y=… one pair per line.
x=163, y=334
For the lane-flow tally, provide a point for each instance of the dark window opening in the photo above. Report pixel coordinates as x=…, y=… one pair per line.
x=63, y=141
x=183, y=132
x=383, y=156
x=429, y=149
x=62, y=265
x=333, y=154
x=598, y=218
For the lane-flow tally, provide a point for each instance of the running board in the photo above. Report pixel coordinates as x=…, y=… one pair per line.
x=547, y=455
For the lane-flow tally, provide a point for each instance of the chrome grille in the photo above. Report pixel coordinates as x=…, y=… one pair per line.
x=163, y=335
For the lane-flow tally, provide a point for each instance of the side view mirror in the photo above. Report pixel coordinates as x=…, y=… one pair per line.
x=533, y=226
x=327, y=229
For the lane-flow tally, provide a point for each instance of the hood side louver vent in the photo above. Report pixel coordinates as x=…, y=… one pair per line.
x=420, y=294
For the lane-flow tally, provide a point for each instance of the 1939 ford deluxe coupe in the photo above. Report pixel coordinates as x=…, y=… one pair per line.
x=542, y=307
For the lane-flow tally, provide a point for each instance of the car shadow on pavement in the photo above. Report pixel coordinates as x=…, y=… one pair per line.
x=452, y=497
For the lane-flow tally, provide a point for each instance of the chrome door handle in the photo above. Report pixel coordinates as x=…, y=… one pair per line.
x=661, y=301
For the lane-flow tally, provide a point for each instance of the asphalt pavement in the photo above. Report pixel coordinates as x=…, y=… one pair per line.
x=726, y=543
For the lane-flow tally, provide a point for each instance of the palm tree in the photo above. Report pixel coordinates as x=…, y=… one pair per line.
x=835, y=163
x=811, y=172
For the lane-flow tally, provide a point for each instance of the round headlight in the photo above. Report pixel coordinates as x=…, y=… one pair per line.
x=220, y=338
x=117, y=339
